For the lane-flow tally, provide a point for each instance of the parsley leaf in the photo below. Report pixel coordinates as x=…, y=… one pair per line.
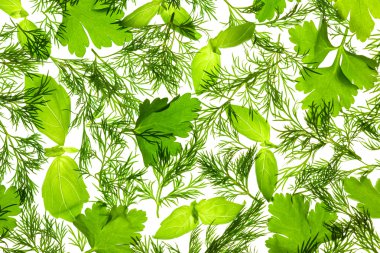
x=110, y=231
x=341, y=90
x=160, y=122
x=295, y=225
x=310, y=42
x=364, y=192
x=99, y=24
x=9, y=206
x=361, y=15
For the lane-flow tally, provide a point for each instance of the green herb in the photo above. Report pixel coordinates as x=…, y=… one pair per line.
x=110, y=230
x=53, y=117
x=297, y=228
x=266, y=172
x=364, y=192
x=63, y=190
x=184, y=219
x=9, y=207
x=13, y=8
x=90, y=16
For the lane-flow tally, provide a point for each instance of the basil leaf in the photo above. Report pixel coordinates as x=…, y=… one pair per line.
x=181, y=20
x=34, y=40
x=266, y=172
x=249, y=123
x=63, y=189
x=205, y=67
x=53, y=116
x=217, y=211
x=234, y=36
x=178, y=223
x=13, y=8
x=141, y=16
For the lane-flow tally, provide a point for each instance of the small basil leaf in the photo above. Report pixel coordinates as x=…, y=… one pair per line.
x=234, y=36
x=178, y=223
x=53, y=116
x=34, y=40
x=217, y=211
x=13, y=8
x=205, y=67
x=249, y=123
x=141, y=16
x=63, y=189
x=266, y=172
x=181, y=20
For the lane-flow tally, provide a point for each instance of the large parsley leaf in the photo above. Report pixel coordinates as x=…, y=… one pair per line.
x=364, y=192
x=310, y=42
x=294, y=225
x=110, y=231
x=9, y=206
x=160, y=122
x=327, y=85
x=99, y=24
x=361, y=14
x=348, y=73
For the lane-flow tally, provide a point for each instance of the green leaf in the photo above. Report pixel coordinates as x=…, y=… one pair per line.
x=249, y=123
x=234, y=36
x=161, y=122
x=9, y=207
x=178, y=223
x=217, y=211
x=205, y=67
x=294, y=225
x=52, y=117
x=180, y=20
x=13, y=8
x=317, y=82
x=110, y=231
x=63, y=189
x=266, y=172
x=142, y=15
x=99, y=24
x=361, y=15
x=364, y=192
x=34, y=40
x=312, y=43
x=360, y=70
x=269, y=8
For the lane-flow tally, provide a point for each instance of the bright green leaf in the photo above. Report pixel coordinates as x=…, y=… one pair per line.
x=217, y=211
x=13, y=8
x=181, y=20
x=364, y=192
x=99, y=24
x=178, y=223
x=35, y=41
x=9, y=207
x=269, y=8
x=361, y=14
x=360, y=70
x=52, y=117
x=141, y=16
x=341, y=91
x=111, y=231
x=234, y=36
x=266, y=172
x=249, y=123
x=205, y=67
x=312, y=43
x=63, y=190
x=294, y=225
x=160, y=122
